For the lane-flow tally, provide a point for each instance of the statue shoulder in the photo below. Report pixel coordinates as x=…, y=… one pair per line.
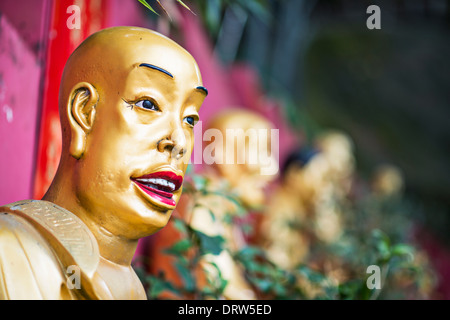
x=55, y=239
x=28, y=265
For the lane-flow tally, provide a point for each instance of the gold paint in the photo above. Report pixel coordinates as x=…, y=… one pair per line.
x=93, y=213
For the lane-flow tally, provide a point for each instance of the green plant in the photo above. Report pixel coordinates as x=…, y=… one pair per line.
x=144, y=2
x=187, y=253
x=211, y=12
x=334, y=271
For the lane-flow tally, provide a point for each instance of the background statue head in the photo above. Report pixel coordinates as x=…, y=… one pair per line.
x=246, y=154
x=387, y=181
x=304, y=173
x=129, y=98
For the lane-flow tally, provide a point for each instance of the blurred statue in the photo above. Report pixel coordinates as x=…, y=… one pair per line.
x=129, y=99
x=387, y=181
x=237, y=169
x=386, y=205
x=305, y=208
x=285, y=229
x=337, y=149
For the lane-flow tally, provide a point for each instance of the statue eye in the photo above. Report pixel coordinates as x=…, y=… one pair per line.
x=147, y=104
x=190, y=121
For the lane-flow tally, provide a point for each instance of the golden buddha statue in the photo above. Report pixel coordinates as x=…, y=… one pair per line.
x=238, y=169
x=286, y=223
x=305, y=206
x=387, y=181
x=129, y=98
x=336, y=148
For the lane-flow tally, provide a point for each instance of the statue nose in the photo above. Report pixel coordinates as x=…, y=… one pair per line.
x=173, y=148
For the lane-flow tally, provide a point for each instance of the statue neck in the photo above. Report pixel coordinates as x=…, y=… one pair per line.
x=114, y=248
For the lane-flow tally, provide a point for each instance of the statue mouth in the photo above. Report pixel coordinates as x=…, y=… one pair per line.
x=160, y=186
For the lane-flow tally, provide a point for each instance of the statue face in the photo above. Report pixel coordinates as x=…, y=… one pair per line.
x=309, y=180
x=142, y=137
x=252, y=144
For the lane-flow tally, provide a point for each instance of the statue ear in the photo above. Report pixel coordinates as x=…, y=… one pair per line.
x=81, y=113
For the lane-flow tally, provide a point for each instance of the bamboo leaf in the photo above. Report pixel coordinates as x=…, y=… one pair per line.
x=148, y=6
x=184, y=5
x=164, y=9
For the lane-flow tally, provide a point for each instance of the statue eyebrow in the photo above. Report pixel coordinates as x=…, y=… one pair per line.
x=203, y=89
x=156, y=68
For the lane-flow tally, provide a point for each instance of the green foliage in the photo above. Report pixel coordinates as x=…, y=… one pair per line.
x=268, y=279
x=212, y=11
x=208, y=244
x=376, y=231
x=145, y=3
x=187, y=253
x=368, y=239
x=157, y=285
x=147, y=6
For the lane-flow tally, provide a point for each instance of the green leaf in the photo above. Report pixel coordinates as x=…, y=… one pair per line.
x=382, y=244
x=186, y=275
x=279, y=289
x=250, y=252
x=350, y=289
x=158, y=285
x=184, y=5
x=263, y=284
x=208, y=244
x=180, y=247
x=403, y=250
x=200, y=182
x=180, y=225
x=311, y=275
x=148, y=6
x=257, y=8
x=213, y=15
x=218, y=283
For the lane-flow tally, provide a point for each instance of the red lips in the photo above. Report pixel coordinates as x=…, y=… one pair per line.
x=160, y=185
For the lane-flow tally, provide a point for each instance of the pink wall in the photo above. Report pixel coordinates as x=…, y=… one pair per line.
x=19, y=102
x=27, y=17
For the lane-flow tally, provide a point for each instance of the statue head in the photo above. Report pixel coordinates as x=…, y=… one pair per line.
x=129, y=98
x=304, y=173
x=337, y=147
x=387, y=180
x=247, y=154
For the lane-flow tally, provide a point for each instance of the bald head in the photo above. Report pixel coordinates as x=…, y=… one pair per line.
x=115, y=51
x=239, y=118
x=106, y=59
x=129, y=100
x=247, y=156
